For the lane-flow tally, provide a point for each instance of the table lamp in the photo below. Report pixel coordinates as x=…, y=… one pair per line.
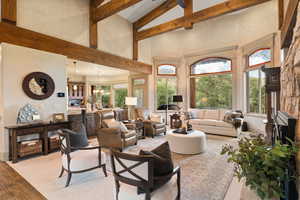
x=130, y=102
x=177, y=99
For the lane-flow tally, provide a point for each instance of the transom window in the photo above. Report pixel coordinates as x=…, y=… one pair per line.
x=169, y=70
x=260, y=57
x=211, y=65
x=211, y=83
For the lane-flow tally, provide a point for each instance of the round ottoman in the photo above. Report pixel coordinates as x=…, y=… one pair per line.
x=192, y=143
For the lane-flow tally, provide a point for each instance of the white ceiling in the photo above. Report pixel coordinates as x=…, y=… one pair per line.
x=89, y=69
x=140, y=9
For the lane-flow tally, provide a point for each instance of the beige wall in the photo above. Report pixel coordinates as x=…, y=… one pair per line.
x=16, y=63
x=69, y=20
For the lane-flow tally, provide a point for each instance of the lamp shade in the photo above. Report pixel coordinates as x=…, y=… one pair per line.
x=177, y=98
x=131, y=101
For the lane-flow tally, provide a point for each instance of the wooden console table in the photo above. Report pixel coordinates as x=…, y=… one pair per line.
x=41, y=128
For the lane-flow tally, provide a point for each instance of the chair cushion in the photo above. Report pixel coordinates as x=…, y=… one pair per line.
x=211, y=114
x=128, y=134
x=158, y=125
x=79, y=138
x=83, y=159
x=163, y=164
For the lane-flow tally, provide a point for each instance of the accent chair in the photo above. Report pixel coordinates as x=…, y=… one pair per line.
x=153, y=124
x=78, y=160
x=112, y=133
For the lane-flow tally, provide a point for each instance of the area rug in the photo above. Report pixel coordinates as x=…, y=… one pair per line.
x=206, y=176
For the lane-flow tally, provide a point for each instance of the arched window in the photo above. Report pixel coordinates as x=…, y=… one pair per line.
x=166, y=70
x=211, y=83
x=211, y=65
x=256, y=80
x=259, y=57
x=166, y=85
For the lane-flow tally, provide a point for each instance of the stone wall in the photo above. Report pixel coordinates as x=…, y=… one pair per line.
x=290, y=76
x=290, y=81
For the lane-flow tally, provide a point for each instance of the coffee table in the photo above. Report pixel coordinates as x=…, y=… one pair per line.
x=192, y=143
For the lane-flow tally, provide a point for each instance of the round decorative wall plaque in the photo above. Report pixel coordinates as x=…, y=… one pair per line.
x=38, y=85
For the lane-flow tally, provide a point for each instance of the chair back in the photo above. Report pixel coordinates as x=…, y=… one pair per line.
x=142, y=113
x=132, y=169
x=64, y=142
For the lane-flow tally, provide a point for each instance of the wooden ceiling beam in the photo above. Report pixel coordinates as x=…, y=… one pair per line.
x=188, y=11
x=155, y=13
x=112, y=7
x=22, y=37
x=208, y=13
x=97, y=3
x=9, y=11
x=288, y=23
x=280, y=13
x=93, y=26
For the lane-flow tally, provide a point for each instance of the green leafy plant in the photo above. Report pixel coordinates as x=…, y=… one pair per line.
x=263, y=167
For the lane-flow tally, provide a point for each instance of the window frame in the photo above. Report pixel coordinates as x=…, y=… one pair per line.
x=252, y=68
x=164, y=76
x=192, y=95
x=211, y=73
x=158, y=74
x=247, y=92
x=259, y=64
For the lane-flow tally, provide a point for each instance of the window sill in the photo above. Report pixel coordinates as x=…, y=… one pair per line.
x=257, y=115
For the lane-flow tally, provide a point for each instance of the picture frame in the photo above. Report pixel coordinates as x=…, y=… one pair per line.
x=58, y=117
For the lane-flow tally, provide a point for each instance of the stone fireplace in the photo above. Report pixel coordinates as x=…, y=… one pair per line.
x=290, y=81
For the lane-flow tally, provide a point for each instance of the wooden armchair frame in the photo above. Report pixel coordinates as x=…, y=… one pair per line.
x=139, y=182
x=65, y=148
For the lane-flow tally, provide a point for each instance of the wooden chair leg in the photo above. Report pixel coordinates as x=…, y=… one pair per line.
x=178, y=184
x=69, y=179
x=148, y=194
x=117, y=189
x=61, y=172
x=104, y=170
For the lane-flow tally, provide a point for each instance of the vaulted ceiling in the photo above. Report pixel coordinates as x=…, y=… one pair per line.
x=140, y=9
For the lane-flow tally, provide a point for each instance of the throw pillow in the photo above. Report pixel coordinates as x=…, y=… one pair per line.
x=79, y=138
x=163, y=163
x=111, y=123
x=123, y=128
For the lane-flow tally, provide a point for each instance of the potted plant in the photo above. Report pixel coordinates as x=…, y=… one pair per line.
x=264, y=167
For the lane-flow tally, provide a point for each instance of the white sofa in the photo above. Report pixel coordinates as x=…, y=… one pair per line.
x=211, y=121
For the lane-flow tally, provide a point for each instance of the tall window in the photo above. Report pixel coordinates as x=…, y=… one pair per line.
x=211, y=83
x=166, y=85
x=256, y=95
x=140, y=91
x=120, y=92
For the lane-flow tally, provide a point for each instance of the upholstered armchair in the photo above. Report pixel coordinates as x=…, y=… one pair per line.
x=112, y=133
x=153, y=124
x=78, y=160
